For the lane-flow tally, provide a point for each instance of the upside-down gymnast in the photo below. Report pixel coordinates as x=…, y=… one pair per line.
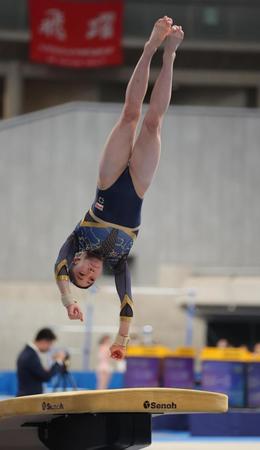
x=109, y=228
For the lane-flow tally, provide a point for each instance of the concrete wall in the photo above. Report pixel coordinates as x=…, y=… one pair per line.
x=202, y=209
x=27, y=307
x=202, y=212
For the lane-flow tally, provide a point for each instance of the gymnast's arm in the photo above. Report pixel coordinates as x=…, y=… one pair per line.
x=123, y=286
x=65, y=257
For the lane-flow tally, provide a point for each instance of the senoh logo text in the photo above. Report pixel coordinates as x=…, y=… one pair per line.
x=50, y=406
x=155, y=405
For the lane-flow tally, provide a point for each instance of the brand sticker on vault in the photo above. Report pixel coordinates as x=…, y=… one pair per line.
x=154, y=405
x=50, y=406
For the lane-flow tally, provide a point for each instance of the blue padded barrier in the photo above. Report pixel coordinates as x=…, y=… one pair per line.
x=84, y=380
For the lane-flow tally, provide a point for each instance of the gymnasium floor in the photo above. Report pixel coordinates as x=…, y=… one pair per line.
x=182, y=441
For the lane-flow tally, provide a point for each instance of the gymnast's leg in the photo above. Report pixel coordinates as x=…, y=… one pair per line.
x=146, y=151
x=119, y=145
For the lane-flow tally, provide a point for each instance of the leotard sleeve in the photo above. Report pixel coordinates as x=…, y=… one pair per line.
x=65, y=256
x=123, y=287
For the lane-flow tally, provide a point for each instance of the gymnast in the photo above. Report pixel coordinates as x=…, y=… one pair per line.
x=108, y=230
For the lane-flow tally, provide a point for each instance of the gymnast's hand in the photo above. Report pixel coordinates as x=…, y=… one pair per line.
x=117, y=351
x=74, y=312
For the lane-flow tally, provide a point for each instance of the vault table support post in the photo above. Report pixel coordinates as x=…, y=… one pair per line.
x=102, y=431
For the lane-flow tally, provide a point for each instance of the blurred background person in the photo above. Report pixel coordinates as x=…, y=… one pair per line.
x=256, y=349
x=30, y=371
x=223, y=343
x=104, y=367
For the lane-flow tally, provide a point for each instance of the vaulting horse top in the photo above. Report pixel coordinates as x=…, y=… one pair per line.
x=90, y=420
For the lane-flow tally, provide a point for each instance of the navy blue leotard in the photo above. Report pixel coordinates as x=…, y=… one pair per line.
x=120, y=203
x=109, y=227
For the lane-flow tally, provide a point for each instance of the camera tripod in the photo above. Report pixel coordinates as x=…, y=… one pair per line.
x=64, y=380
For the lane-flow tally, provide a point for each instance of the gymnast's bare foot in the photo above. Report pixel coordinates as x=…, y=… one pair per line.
x=161, y=29
x=173, y=39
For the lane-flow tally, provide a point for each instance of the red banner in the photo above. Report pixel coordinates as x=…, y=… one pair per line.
x=76, y=34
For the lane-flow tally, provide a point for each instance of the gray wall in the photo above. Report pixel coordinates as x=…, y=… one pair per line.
x=202, y=209
x=27, y=307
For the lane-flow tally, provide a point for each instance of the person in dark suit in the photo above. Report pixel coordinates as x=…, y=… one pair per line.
x=30, y=372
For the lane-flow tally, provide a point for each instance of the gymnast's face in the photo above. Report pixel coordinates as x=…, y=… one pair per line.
x=86, y=269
